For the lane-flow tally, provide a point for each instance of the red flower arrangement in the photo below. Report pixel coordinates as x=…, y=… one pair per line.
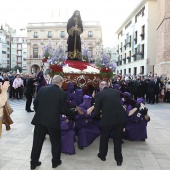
x=56, y=68
x=106, y=72
x=44, y=60
x=81, y=65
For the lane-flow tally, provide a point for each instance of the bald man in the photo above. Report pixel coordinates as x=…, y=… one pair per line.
x=108, y=107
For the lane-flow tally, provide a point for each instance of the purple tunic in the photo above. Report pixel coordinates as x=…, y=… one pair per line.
x=41, y=81
x=136, y=126
x=86, y=128
x=67, y=136
x=70, y=91
x=78, y=97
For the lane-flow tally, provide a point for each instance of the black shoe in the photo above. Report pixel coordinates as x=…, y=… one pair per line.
x=119, y=163
x=80, y=147
x=35, y=165
x=30, y=110
x=103, y=159
x=54, y=165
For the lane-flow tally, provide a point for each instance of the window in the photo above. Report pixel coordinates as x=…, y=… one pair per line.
x=142, y=51
x=35, y=34
x=3, y=52
x=135, y=70
x=124, y=71
x=19, y=60
x=130, y=40
x=90, y=34
x=35, y=51
x=19, y=53
x=143, y=33
x=62, y=35
x=124, y=59
x=129, y=57
x=142, y=69
x=136, y=36
x=129, y=70
x=19, y=46
x=49, y=34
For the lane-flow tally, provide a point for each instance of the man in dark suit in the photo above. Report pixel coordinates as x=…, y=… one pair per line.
x=29, y=92
x=113, y=118
x=158, y=86
x=49, y=103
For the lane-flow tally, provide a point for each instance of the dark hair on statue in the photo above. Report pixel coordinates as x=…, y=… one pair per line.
x=74, y=14
x=79, y=17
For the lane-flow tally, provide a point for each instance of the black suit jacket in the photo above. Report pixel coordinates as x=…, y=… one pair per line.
x=30, y=85
x=49, y=103
x=108, y=101
x=158, y=85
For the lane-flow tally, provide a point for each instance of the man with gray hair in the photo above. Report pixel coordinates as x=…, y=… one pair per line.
x=49, y=103
x=108, y=107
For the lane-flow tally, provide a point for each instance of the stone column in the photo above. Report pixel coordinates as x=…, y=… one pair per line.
x=162, y=66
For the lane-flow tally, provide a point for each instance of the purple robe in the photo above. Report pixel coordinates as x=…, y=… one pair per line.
x=70, y=91
x=136, y=126
x=67, y=136
x=78, y=97
x=87, y=129
x=41, y=81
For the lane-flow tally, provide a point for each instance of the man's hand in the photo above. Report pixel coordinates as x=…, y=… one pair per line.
x=67, y=120
x=79, y=110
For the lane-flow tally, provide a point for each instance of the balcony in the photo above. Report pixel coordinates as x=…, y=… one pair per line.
x=142, y=34
x=35, y=36
x=49, y=36
x=133, y=55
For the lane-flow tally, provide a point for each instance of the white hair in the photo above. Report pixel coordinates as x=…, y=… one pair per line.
x=57, y=79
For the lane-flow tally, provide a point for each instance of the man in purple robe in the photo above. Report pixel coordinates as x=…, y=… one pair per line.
x=87, y=129
x=70, y=94
x=137, y=121
x=78, y=97
x=67, y=135
x=41, y=81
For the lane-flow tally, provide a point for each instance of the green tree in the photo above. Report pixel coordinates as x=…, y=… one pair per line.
x=17, y=68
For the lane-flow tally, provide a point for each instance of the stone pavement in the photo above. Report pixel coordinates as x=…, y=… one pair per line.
x=153, y=154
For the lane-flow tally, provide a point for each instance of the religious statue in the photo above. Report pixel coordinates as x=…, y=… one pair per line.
x=74, y=29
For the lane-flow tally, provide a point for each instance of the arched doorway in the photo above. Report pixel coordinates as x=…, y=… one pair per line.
x=35, y=68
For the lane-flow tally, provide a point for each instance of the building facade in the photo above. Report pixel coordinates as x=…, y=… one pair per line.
x=39, y=34
x=19, y=52
x=3, y=49
x=5, y=46
x=137, y=38
x=162, y=66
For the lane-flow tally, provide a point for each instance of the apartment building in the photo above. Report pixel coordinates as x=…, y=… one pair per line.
x=19, y=51
x=137, y=38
